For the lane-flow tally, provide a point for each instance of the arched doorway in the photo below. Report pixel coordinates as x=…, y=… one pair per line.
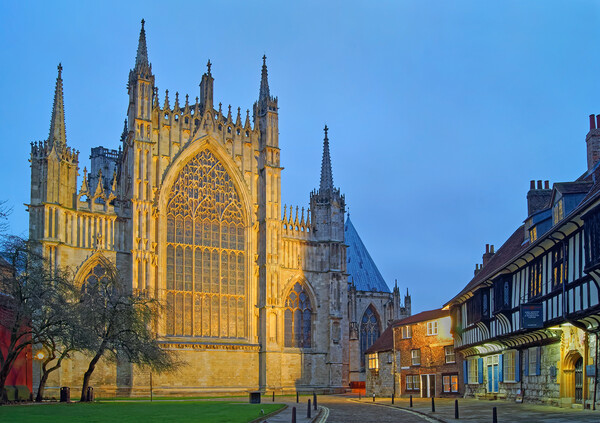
x=579, y=381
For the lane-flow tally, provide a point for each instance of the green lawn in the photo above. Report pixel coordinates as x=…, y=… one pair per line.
x=146, y=412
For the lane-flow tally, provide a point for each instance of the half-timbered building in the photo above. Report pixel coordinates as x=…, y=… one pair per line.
x=527, y=323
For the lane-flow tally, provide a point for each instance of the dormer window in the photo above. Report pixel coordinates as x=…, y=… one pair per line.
x=558, y=212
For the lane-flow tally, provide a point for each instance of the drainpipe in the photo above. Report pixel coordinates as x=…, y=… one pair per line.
x=394, y=359
x=595, y=374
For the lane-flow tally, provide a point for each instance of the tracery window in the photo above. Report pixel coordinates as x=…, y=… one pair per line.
x=206, y=258
x=298, y=318
x=369, y=331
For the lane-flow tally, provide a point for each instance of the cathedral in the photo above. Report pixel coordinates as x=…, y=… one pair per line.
x=257, y=295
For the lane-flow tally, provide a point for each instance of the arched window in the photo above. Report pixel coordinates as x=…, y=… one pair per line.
x=369, y=331
x=298, y=318
x=206, y=257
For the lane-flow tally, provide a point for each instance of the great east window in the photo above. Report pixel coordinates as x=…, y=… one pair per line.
x=206, y=254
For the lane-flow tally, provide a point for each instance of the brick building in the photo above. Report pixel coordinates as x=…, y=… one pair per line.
x=415, y=356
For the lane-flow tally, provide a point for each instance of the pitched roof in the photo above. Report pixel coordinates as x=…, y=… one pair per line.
x=384, y=342
x=361, y=267
x=422, y=317
x=513, y=245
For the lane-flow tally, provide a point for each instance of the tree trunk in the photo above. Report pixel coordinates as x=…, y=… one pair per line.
x=88, y=374
x=3, y=376
x=40, y=394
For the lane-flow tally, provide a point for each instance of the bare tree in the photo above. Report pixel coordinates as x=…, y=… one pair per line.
x=118, y=324
x=31, y=302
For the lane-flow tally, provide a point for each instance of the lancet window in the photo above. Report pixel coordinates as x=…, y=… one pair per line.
x=369, y=331
x=206, y=253
x=298, y=318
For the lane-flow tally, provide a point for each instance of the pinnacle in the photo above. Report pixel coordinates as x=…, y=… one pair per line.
x=264, y=81
x=58, y=135
x=326, y=174
x=141, y=59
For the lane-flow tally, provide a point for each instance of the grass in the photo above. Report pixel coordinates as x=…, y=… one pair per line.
x=147, y=412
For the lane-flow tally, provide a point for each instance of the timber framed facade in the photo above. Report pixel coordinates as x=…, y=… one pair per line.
x=527, y=323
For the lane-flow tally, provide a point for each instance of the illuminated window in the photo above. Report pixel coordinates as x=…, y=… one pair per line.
x=373, y=362
x=473, y=374
x=206, y=258
x=415, y=357
x=298, y=318
x=369, y=331
x=450, y=383
x=432, y=328
x=449, y=353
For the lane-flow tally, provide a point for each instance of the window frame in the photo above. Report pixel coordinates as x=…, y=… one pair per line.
x=415, y=354
x=406, y=332
x=452, y=379
x=432, y=328
x=413, y=382
x=473, y=371
x=446, y=355
x=509, y=366
x=373, y=362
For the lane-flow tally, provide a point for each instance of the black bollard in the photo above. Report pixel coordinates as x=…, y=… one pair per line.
x=296, y=397
x=392, y=398
x=308, y=410
x=411, y=401
x=314, y=400
x=293, y=414
x=373, y=397
x=494, y=415
x=273, y=396
x=456, y=409
x=432, y=405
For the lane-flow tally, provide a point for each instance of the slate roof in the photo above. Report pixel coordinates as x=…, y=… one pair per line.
x=422, y=317
x=384, y=342
x=361, y=267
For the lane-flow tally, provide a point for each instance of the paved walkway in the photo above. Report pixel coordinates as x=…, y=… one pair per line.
x=349, y=409
x=473, y=410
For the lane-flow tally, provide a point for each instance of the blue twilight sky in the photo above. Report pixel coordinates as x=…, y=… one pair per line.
x=440, y=112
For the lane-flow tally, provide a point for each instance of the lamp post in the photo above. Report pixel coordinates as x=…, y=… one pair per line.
x=39, y=356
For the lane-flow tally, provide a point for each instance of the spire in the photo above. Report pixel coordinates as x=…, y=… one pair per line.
x=264, y=82
x=57, y=121
x=326, y=175
x=141, y=59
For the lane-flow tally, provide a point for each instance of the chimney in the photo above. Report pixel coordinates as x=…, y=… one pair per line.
x=477, y=269
x=538, y=197
x=592, y=141
x=488, y=254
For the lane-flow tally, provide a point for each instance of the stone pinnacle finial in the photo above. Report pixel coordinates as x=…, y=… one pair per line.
x=141, y=59
x=326, y=174
x=58, y=135
x=264, y=82
x=208, y=66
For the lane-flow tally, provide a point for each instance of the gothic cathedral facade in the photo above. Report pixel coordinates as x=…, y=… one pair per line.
x=188, y=209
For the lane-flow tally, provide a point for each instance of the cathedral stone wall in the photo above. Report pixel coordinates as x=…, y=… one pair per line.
x=188, y=208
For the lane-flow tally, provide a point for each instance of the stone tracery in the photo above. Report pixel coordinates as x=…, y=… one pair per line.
x=206, y=258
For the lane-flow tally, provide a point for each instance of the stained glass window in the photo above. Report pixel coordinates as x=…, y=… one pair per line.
x=206, y=270
x=369, y=331
x=298, y=318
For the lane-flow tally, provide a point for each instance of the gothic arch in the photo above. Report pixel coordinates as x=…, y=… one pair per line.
x=88, y=265
x=298, y=312
x=204, y=244
x=187, y=152
x=369, y=329
x=307, y=286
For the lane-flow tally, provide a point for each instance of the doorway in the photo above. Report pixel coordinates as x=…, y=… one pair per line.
x=579, y=381
x=427, y=386
x=492, y=373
